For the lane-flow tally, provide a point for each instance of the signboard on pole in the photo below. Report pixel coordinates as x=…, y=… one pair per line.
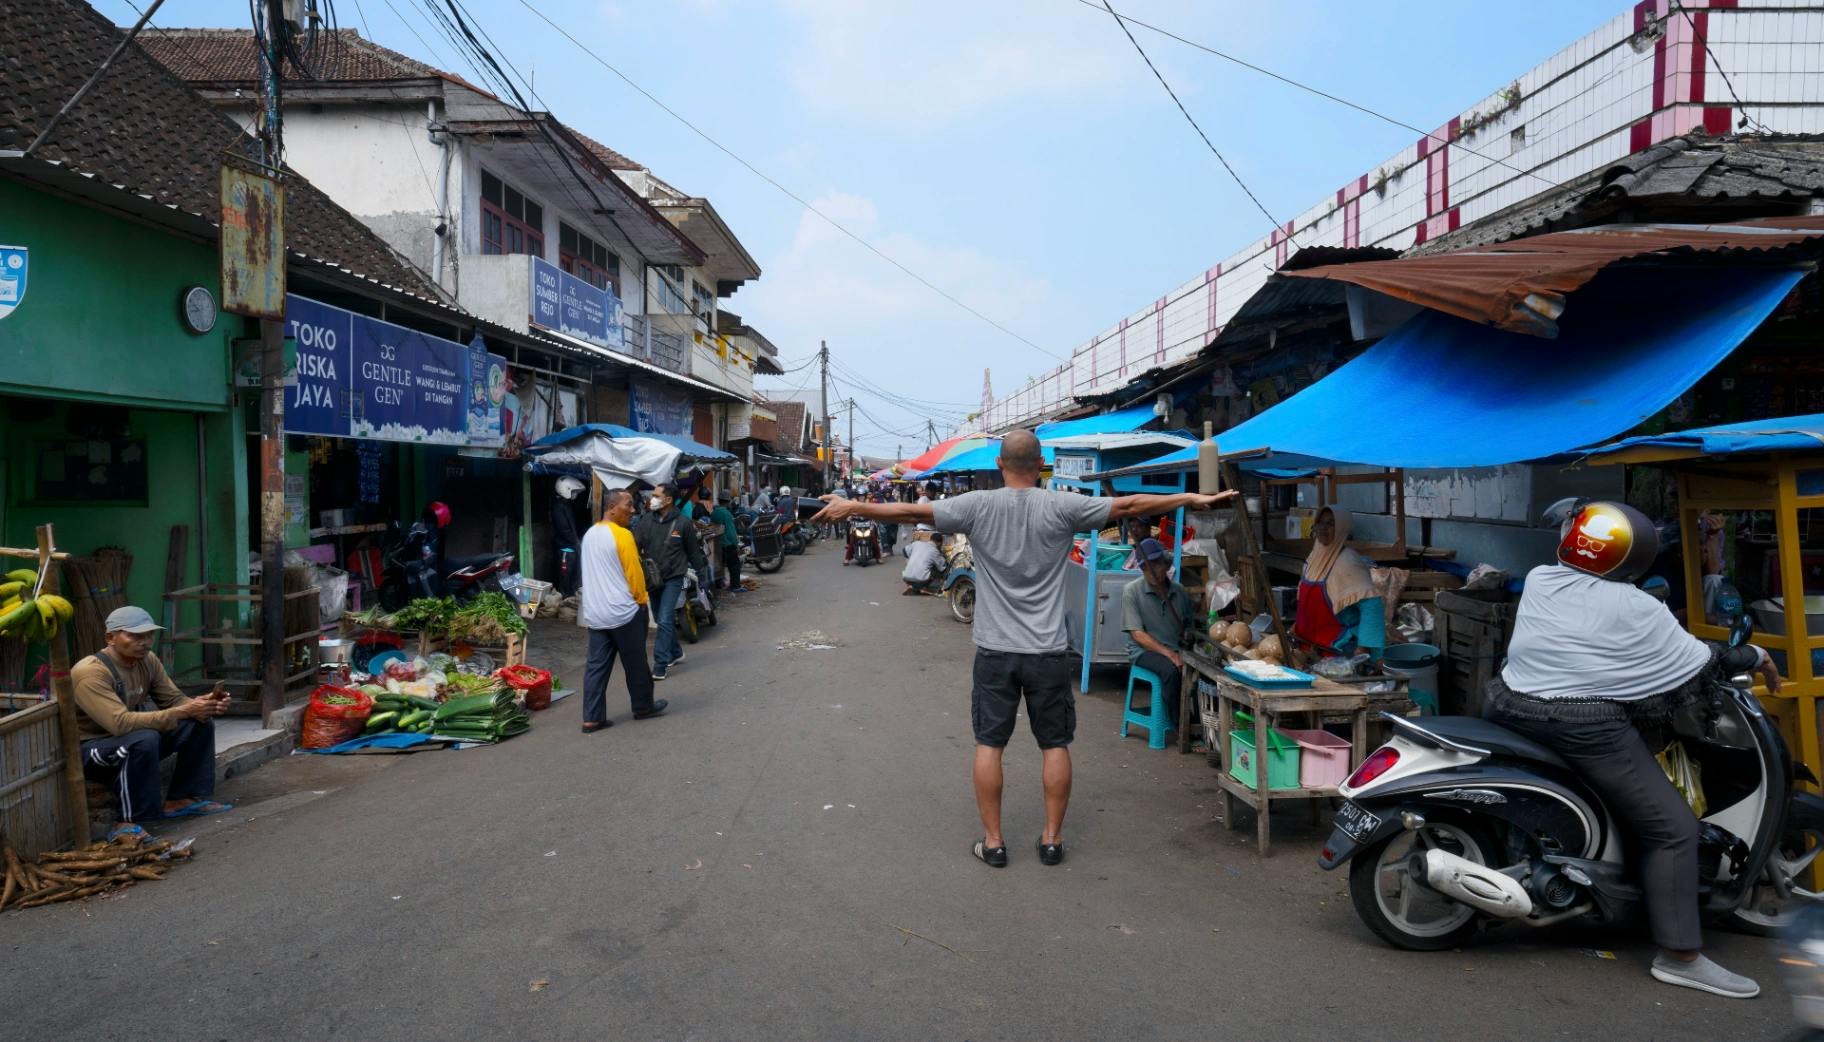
x=13, y=268
x=253, y=243
x=573, y=306
x=359, y=377
x=1072, y=467
x=487, y=389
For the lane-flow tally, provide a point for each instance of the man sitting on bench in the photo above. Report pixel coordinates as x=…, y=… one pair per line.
x=122, y=745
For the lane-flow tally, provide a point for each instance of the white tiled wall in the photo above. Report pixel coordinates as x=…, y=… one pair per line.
x=1577, y=109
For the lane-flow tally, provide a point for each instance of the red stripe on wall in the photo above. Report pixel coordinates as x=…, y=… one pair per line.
x=1717, y=119
x=1209, y=278
x=1702, y=21
x=1159, y=343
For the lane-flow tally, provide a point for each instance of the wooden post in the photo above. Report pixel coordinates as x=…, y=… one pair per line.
x=1231, y=475
x=65, y=693
x=597, y=493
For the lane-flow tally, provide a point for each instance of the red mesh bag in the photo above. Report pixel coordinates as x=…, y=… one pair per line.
x=533, y=682
x=329, y=723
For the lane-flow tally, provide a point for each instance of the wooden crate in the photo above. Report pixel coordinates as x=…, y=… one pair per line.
x=1473, y=637
x=1423, y=587
x=513, y=654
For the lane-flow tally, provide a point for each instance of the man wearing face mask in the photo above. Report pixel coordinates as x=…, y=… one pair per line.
x=668, y=544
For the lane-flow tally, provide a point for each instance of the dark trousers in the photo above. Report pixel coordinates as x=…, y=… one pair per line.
x=626, y=642
x=1614, y=760
x=731, y=564
x=129, y=764
x=1170, y=674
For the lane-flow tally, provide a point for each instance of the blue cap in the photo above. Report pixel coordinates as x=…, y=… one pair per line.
x=1152, y=550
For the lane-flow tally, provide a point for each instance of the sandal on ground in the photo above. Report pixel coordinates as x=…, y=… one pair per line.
x=198, y=809
x=127, y=829
x=592, y=727
x=993, y=857
x=1050, y=853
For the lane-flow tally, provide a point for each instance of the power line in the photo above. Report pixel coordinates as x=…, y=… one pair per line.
x=1192, y=120
x=865, y=382
x=1290, y=82
x=795, y=197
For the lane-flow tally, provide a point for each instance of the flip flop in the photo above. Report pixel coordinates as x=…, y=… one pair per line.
x=127, y=829
x=198, y=809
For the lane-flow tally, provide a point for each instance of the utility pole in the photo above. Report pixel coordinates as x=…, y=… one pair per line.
x=272, y=398
x=931, y=429
x=845, y=477
x=823, y=410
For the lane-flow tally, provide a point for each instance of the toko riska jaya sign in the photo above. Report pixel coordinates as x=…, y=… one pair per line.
x=359, y=377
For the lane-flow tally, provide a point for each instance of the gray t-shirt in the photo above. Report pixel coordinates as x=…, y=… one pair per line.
x=1021, y=541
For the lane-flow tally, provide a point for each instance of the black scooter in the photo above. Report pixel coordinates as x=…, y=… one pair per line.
x=1459, y=823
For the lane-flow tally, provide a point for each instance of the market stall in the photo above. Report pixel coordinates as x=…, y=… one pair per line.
x=1756, y=489
x=612, y=456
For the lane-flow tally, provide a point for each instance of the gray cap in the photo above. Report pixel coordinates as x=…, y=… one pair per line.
x=130, y=620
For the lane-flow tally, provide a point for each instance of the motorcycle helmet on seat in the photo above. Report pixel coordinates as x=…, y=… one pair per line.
x=1609, y=540
x=441, y=512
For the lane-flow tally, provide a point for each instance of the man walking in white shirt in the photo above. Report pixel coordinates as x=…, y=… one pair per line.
x=614, y=608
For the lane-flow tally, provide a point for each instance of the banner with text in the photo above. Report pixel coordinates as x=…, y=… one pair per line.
x=359, y=377
x=570, y=305
x=656, y=409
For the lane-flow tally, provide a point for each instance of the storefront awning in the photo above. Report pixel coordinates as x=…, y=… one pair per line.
x=1521, y=285
x=602, y=354
x=1781, y=434
x=1108, y=423
x=620, y=454
x=1441, y=391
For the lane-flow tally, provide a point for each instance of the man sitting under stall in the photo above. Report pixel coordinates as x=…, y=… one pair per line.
x=1154, y=610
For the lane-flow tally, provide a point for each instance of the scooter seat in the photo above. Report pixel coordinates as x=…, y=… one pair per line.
x=471, y=561
x=1486, y=734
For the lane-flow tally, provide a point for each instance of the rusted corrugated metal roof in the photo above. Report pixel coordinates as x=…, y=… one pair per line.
x=1522, y=285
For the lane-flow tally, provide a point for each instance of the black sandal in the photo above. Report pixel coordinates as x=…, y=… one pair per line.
x=1050, y=853
x=993, y=857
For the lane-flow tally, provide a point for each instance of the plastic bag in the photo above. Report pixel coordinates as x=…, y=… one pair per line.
x=1686, y=775
x=328, y=723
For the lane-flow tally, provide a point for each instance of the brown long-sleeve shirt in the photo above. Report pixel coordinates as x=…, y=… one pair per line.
x=104, y=714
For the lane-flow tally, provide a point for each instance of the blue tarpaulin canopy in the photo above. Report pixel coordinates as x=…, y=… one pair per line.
x=619, y=454
x=1781, y=434
x=1440, y=391
x=1108, y=423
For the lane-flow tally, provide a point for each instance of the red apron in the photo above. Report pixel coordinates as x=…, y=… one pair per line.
x=1317, y=624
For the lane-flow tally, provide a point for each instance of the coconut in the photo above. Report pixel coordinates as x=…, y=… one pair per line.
x=1270, y=646
x=1240, y=634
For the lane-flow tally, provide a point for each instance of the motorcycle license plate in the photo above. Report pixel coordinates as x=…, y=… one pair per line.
x=1355, y=822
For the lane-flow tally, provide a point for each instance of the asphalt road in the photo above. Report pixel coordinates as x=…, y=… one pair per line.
x=784, y=855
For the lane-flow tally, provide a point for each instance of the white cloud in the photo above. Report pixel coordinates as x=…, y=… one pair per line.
x=917, y=66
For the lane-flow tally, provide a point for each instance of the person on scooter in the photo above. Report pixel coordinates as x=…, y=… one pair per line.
x=1592, y=659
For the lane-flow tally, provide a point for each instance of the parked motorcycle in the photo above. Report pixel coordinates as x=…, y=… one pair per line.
x=412, y=571
x=696, y=609
x=761, y=545
x=794, y=536
x=865, y=536
x=959, y=580
x=1458, y=823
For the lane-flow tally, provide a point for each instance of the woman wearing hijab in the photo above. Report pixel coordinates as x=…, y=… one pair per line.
x=1340, y=610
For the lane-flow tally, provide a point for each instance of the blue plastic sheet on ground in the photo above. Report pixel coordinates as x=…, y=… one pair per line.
x=391, y=742
x=1440, y=391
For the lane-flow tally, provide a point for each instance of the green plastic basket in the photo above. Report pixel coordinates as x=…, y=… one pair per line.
x=1282, y=756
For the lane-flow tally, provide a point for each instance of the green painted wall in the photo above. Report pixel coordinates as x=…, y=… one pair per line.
x=100, y=316
x=100, y=323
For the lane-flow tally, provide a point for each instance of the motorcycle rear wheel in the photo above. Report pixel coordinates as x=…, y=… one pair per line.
x=962, y=601
x=769, y=565
x=1392, y=916
x=687, y=624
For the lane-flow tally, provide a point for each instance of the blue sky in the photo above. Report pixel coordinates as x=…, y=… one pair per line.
x=1015, y=152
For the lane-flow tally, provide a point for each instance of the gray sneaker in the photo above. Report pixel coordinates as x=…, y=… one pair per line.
x=1704, y=975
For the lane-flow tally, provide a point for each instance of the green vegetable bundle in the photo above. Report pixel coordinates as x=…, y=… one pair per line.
x=487, y=620
x=481, y=718
x=427, y=614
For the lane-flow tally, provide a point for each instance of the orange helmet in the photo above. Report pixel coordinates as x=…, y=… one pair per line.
x=1610, y=541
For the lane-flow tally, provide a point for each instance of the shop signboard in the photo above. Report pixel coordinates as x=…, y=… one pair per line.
x=13, y=268
x=359, y=377
x=1071, y=466
x=656, y=409
x=487, y=389
x=572, y=306
x=253, y=243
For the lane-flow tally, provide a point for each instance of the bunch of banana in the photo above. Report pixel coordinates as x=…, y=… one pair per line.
x=27, y=617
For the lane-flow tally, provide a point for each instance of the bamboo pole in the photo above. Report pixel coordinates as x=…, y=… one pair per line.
x=65, y=694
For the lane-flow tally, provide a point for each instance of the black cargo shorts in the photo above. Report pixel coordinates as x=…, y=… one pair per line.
x=1002, y=678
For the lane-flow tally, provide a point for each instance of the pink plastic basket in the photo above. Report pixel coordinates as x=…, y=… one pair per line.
x=1325, y=763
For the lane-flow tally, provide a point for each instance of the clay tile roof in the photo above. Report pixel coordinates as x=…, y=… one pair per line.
x=143, y=130
x=614, y=159
x=230, y=56
x=791, y=425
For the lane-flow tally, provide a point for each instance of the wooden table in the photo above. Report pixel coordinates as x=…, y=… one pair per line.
x=1325, y=697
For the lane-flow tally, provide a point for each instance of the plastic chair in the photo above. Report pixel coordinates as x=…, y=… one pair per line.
x=1153, y=720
